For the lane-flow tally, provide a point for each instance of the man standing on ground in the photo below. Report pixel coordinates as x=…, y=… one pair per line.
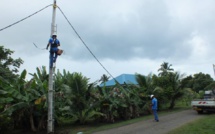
x=155, y=107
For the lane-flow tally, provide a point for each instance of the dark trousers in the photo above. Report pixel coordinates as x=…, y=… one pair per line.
x=155, y=114
x=53, y=56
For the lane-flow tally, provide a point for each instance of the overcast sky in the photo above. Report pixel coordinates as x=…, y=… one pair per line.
x=127, y=36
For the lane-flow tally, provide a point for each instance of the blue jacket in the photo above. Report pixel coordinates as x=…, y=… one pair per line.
x=54, y=43
x=154, y=104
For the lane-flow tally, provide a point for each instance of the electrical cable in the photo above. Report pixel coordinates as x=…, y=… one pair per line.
x=24, y=18
x=85, y=44
x=71, y=27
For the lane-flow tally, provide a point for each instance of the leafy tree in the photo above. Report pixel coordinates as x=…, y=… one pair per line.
x=211, y=86
x=187, y=82
x=8, y=69
x=201, y=81
x=198, y=82
x=8, y=65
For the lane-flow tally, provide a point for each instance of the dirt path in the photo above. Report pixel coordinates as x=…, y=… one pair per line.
x=166, y=124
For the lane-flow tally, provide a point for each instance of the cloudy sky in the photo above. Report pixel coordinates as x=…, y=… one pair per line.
x=127, y=36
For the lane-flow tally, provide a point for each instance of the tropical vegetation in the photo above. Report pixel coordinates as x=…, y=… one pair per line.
x=24, y=106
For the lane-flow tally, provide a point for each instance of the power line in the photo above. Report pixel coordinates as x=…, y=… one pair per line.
x=25, y=18
x=85, y=44
x=71, y=27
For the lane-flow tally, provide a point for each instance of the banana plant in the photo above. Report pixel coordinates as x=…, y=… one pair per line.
x=80, y=106
x=109, y=101
x=131, y=100
x=26, y=104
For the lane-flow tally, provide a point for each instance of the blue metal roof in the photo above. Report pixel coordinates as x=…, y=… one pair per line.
x=121, y=79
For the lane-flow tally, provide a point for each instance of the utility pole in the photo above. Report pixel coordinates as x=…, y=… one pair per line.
x=50, y=122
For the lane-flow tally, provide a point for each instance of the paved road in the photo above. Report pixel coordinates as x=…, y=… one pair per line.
x=167, y=123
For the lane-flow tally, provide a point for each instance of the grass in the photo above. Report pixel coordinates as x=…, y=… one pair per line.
x=203, y=125
x=88, y=129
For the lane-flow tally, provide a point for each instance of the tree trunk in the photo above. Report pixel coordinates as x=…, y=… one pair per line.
x=42, y=123
x=172, y=103
x=33, y=128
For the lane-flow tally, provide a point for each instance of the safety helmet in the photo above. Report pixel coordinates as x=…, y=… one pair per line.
x=54, y=34
x=152, y=96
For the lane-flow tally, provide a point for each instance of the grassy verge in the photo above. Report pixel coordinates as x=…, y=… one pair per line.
x=204, y=125
x=88, y=129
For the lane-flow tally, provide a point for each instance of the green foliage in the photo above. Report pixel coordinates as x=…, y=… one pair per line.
x=109, y=100
x=104, y=78
x=145, y=88
x=8, y=65
x=133, y=100
x=200, y=94
x=79, y=104
x=172, y=88
x=199, y=82
x=146, y=83
x=189, y=95
x=5, y=124
x=211, y=86
x=25, y=102
x=165, y=69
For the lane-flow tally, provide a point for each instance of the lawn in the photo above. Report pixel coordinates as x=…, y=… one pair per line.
x=205, y=125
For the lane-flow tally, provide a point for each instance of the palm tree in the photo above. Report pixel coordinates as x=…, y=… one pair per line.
x=165, y=68
x=145, y=82
x=171, y=87
x=177, y=88
x=104, y=78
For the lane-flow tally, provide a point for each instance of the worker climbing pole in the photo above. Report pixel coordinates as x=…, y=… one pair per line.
x=54, y=51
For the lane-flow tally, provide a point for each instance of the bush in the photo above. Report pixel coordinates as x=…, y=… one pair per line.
x=5, y=124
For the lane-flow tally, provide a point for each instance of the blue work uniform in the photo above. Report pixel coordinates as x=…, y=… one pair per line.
x=155, y=108
x=53, y=50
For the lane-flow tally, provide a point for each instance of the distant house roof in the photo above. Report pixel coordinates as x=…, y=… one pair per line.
x=121, y=79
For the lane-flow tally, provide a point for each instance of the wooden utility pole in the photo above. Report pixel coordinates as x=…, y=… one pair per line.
x=50, y=122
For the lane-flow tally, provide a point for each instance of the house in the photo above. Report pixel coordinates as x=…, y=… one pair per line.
x=121, y=79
